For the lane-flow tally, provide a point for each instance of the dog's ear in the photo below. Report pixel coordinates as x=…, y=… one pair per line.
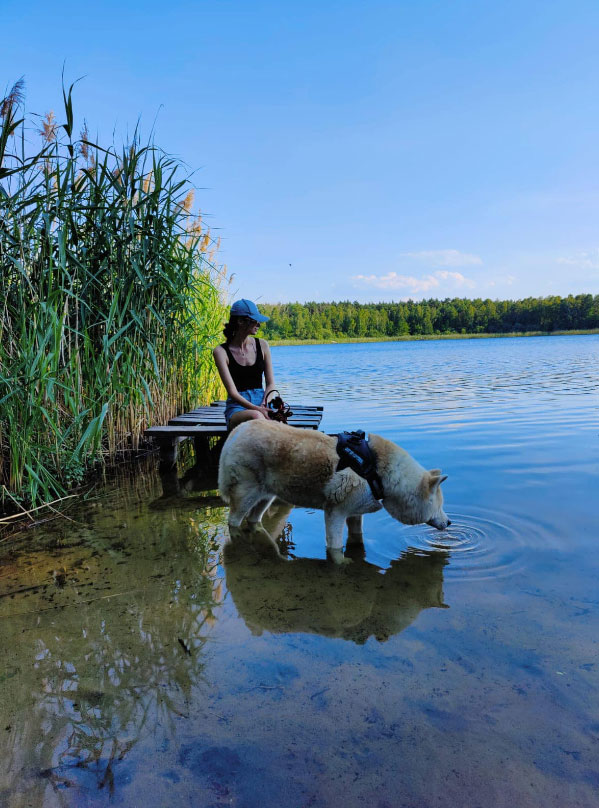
x=435, y=479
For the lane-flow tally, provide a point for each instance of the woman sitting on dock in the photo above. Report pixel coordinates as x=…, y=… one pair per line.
x=242, y=360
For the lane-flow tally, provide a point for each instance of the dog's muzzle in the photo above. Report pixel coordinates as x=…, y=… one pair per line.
x=439, y=525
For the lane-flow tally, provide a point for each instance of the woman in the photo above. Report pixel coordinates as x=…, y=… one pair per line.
x=242, y=360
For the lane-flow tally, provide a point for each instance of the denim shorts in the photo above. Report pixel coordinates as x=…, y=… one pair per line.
x=255, y=396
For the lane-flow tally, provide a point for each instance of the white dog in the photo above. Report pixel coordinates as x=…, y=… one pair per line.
x=262, y=460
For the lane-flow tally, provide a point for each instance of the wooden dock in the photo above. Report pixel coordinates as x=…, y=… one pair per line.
x=208, y=422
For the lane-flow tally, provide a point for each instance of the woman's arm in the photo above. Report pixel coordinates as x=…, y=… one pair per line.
x=269, y=376
x=222, y=365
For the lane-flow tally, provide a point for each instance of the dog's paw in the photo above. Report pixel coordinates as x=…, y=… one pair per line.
x=337, y=557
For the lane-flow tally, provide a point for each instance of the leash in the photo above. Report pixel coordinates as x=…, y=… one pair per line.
x=355, y=453
x=278, y=410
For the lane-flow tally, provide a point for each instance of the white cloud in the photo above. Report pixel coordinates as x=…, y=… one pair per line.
x=445, y=258
x=456, y=277
x=411, y=284
x=502, y=280
x=583, y=259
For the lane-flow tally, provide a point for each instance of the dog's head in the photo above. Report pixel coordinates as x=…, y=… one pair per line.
x=432, y=483
x=418, y=501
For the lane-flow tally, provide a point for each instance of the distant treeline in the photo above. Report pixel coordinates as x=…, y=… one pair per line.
x=450, y=316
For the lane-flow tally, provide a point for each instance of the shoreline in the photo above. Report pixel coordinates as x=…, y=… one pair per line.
x=413, y=337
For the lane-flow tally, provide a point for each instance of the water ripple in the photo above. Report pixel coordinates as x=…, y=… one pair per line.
x=478, y=547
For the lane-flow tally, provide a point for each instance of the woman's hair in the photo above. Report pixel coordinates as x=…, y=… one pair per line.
x=231, y=327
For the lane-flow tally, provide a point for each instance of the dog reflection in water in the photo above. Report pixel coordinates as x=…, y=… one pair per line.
x=313, y=596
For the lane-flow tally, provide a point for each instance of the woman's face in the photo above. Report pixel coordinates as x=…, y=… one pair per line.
x=248, y=326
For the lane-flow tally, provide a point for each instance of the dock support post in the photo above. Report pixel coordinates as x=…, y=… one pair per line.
x=201, y=445
x=169, y=478
x=168, y=450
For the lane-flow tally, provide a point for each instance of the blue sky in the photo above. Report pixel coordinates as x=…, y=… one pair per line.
x=352, y=150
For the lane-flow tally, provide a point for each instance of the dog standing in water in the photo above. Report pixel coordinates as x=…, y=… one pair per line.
x=262, y=460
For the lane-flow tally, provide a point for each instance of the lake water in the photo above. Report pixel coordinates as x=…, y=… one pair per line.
x=146, y=661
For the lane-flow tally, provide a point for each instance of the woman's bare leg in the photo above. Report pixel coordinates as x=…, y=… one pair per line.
x=244, y=415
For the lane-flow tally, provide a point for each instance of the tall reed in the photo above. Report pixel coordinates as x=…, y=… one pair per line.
x=110, y=300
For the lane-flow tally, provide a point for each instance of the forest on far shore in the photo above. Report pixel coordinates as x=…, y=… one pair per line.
x=322, y=321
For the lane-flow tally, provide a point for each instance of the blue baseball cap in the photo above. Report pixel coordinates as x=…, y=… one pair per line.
x=246, y=308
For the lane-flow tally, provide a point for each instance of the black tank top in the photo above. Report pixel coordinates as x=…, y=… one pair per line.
x=246, y=377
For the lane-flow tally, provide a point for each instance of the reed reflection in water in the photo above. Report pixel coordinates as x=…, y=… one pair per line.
x=104, y=627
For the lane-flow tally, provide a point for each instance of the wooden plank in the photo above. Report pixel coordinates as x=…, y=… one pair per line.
x=192, y=430
x=185, y=431
x=297, y=406
x=215, y=410
x=221, y=410
x=295, y=420
x=200, y=418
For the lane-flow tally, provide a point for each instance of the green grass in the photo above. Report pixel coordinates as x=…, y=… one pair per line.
x=412, y=337
x=110, y=301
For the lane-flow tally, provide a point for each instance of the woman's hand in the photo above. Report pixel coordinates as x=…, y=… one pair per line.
x=263, y=410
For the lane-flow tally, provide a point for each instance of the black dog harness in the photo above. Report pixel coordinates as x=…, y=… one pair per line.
x=355, y=453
